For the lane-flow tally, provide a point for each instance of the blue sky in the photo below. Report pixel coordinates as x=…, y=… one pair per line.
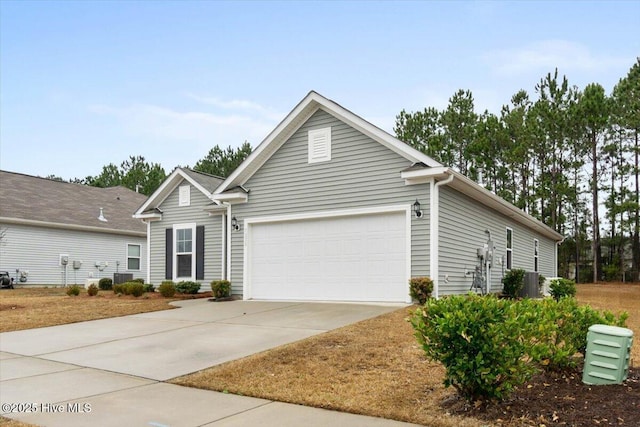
x=84, y=84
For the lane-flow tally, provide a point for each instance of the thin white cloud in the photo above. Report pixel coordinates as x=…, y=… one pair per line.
x=548, y=54
x=181, y=137
x=237, y=105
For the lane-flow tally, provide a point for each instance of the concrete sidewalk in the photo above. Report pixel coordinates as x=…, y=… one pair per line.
x=108, y=372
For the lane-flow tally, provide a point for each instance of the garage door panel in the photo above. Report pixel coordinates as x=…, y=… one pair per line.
x=355, y=258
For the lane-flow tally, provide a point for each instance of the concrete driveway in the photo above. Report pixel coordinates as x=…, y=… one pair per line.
x=107, y=372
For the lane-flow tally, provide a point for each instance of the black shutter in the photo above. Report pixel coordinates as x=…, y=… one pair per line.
x=168, y=254
x=200, y=252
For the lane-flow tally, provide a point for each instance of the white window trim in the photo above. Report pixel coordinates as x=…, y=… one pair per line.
x=536, y=255
x=509, y=249
x=319, y=133
x=139, y=257
x=176, y=227
x=184, y=195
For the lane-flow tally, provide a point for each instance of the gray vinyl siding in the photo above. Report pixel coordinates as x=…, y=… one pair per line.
x=174, y=214
x=361, y=173
x=37, y=250
x=463, y=222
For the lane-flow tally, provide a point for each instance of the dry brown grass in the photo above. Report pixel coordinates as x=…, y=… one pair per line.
x=28, y=308
x=8, y=422
x=617, y=297
x=374, y=367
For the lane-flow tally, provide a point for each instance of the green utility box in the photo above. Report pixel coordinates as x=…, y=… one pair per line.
x=607, y=358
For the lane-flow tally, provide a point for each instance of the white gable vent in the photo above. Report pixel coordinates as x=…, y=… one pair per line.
x=184, y=196
x=319, y=145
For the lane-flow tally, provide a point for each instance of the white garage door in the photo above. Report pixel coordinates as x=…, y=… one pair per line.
x=353, y=258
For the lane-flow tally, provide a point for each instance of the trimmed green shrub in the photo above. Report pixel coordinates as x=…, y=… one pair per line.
x=139, y=280
x=489, y=346
x=129, y=288
x=513, y=282
x=106, y=284
x=560, y=288
x=188, y=287
x=420, y=289
x=134, y=288
x=148, y=287
x=92, y=290
x=480, y=342
x=73, y=290
x=167, y=289
x=221, y=288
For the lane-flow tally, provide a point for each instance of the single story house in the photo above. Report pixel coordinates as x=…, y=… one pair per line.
x=330, y=207
x=57, y=233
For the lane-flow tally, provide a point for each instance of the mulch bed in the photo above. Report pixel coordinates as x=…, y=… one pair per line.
x=551, y=399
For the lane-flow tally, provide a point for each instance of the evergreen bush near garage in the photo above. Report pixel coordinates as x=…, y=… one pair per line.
x=221, y=288
x=188, y=287
x=106, y=284
x=148, y=287
x=118, y=288
x=139, y=280
x=420, y=289
x=167, y=289
x=92, y=290
x=513, y=282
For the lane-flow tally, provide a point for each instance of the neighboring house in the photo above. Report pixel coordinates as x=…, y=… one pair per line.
x=330, y=207
x=57, y=233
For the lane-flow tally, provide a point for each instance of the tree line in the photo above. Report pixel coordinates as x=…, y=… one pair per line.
x=565, y=155
x=139, y=175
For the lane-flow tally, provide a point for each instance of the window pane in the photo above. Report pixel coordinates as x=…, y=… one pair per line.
x=184, y=265
x=509, y=257
x=509, y=239
x=133, y=250
x=133, y=264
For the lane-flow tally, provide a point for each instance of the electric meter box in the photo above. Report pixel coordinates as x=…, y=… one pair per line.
x=607, y=357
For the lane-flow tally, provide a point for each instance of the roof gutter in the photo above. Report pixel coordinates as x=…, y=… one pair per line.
x=34, y=223
x=434, y=231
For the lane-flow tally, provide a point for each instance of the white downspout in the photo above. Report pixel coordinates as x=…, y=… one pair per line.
x=148, y=251
x=227, y=272
x=434, y=233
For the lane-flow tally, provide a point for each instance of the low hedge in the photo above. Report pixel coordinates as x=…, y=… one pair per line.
x=188, y=287
x=489, y=345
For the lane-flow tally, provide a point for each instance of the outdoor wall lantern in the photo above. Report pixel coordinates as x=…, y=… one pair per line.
x=416, y=209
x=234, y=223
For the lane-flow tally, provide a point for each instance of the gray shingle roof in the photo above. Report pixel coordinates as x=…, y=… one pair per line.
x=25, y=197
x=209, y=182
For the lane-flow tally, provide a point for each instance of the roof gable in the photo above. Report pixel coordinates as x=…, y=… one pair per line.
x=203, y=182
x=296, y=118
x=32, y=200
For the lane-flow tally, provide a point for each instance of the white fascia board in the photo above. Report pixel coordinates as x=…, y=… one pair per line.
x=167, y=187
x=486, y=197
x=235, y=197
x=215, y=210
x=148, y=216
x=479, y=193
x=298, y=116
x=432, y=172
x=375, y=132
x=56, y=225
